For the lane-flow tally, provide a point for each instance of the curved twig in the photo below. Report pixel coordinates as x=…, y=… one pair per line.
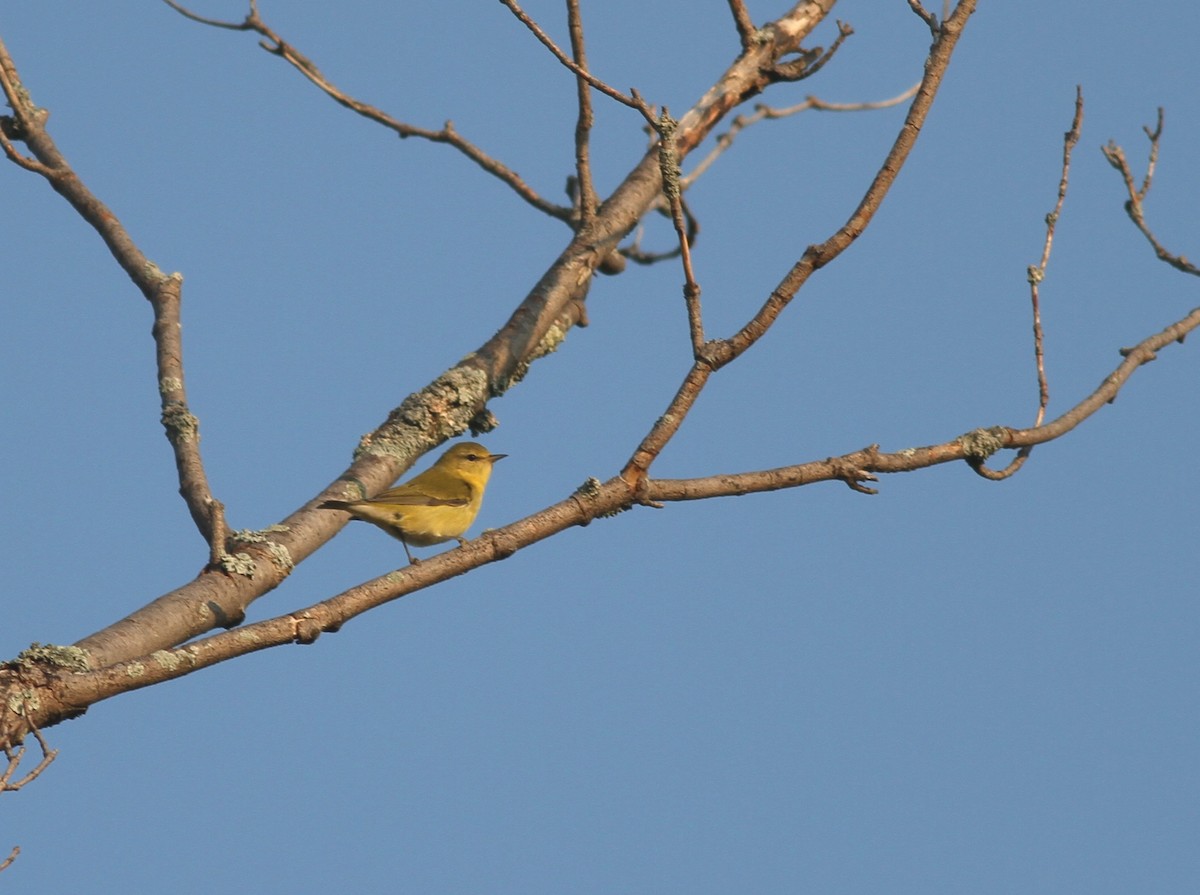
x=277, y=46
x=764, y=112
x=633, y=100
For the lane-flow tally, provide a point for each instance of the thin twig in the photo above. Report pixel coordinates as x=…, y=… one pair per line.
x=633, y=100
x=765, y=112
x=215, y=23
x=220, y=532
x=811, y=61
x=1134, y=205
x=927, y=17
x=743, y=23
x=14, y=760
x=635, y=253
x=669, y=168
x=1037, y=272
x=16, y=127
x=12, y=856
x=584, y=119
x=277, y=46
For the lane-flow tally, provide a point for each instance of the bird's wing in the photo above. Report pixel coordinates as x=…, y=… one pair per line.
x=412, y=496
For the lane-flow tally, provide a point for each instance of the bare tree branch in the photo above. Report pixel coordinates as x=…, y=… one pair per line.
x=764, y=112
x=811, y=61
x=457, y=399
x=1134, y=206
x=1035, y=275
x=669, y=168
x=717, y=354
x=927, y=17
x=143, y=648
x=14, y=756
x=593, y=500
x=632, y=100
x=743, y=23
x=277, y=46
x=163, y=291
x=584, y=120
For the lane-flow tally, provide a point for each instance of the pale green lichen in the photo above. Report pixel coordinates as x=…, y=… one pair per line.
x=169, y=384
x=182, y=427
x=440, y=411
x=20, y=700
x=554, y=336
x=71, y=658
x=980, y=444
x=248, y=536
x=238, y=564
x=280, y=555
x=668, y=158
x=166, y=659
x=173, y=660
x=589, y=488
x=135, y=669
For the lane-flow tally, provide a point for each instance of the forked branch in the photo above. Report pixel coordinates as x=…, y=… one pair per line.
x=717, y=353
x=1035, y=274
x=163, y=291
x=1134, y=206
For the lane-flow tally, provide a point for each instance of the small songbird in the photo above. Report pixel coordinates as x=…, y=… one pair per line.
x=438, y=505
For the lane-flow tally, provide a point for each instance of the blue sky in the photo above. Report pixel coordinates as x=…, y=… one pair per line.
x=955, y=685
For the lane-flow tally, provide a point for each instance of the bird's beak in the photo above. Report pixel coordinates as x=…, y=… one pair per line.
x=495, y=457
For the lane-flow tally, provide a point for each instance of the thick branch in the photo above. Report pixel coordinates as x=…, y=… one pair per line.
x=456, y=400
x=591, y=501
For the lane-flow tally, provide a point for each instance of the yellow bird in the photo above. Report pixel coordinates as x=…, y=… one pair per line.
x=436, y=506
